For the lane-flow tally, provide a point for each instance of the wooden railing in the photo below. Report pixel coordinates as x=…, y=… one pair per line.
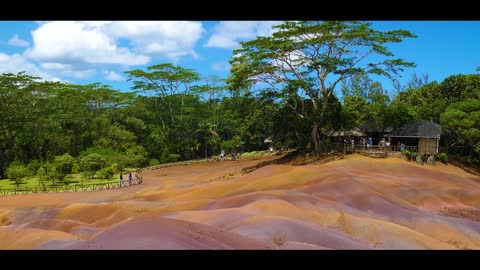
x=74, y=188
x=375, y=150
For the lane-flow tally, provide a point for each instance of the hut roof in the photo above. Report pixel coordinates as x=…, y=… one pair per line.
x=370, y=126
x=355, y=132
x=418, y=129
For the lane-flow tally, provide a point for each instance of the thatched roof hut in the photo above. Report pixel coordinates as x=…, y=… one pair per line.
x=370, y=126
x=418, y=129
x=355, y=132
x=427, y=132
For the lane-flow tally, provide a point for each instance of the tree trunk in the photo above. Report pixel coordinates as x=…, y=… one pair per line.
x=205, y=148
x=315, y=137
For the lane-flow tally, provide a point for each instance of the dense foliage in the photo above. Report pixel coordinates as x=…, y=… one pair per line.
x=304, y=80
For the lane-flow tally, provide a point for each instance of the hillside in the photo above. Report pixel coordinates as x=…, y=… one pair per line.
x=352, y=203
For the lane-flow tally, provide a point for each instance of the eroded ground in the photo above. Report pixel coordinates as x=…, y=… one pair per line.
x=353, y=203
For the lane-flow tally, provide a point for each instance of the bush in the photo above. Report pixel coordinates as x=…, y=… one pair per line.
x=87, y=175
x=110, y=156
x=164, y=156
x=105, y=173
x=419, y=158
x=116, y=167
x=75, y=168
x=92, y=162
x=42, y=177
x=442, y=157
x=137, y=156
x=52, y=174
x=120, y=162
x=173, y=157
x=64, y=164
x=406, y=154
x=153, y=162
x=16, y=173
x=32, y=167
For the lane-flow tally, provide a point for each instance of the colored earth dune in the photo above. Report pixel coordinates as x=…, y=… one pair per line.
x=352, y=203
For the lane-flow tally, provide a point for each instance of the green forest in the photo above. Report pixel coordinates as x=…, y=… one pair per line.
x=295, y=86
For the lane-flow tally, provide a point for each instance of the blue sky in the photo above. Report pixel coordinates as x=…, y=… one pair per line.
x=87, y=52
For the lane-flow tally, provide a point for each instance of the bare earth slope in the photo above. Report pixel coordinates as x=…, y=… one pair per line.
x=354, y=203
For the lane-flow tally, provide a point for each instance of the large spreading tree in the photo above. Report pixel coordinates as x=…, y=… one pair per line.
x=305, y=61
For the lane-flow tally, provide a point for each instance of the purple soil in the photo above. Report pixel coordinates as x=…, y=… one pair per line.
x=163, y=233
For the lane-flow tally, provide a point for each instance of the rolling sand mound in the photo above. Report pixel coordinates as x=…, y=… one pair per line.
x=162, y=233
x=354, y=203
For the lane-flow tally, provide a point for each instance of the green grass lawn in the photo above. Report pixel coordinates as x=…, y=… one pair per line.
x=72, y=179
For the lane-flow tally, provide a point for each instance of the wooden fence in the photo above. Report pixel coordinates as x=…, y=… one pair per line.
x=374, y=150
x=73, y=188
x=102, y=186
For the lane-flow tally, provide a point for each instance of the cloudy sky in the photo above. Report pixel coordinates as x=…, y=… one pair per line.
x=100, y=51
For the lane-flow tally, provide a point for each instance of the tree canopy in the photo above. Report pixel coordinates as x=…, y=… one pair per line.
x=306, y=60
x=293, y=87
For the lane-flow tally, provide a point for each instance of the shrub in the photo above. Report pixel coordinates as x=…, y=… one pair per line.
x=105, y=173
x=52, y=174
x=42, y=177
x=64, y=165
x=153, y=162
x=419, y=158
x=87, y=175
x=119, y=163
x=442, y=157
x=137, y=156
x=164, y=157
x=109, y=155
x=17, y=173
x=117, y=167
x=92, y=162
x=75, y=167
x=173, y=157
x=32, y=167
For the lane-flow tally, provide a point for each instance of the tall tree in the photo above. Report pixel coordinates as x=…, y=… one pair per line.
x=310, y=58
x=165, y=81
x=16, y=101
x=211, y=93
x=462, y=119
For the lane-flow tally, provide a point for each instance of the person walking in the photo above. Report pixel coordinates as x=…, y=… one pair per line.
x=130, y=179
x=121, y=179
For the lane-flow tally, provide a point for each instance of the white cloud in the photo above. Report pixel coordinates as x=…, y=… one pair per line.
x=67, y=42
x=171, y=39
x=78, y=74
x=17, y=63
x=17, y=41
x=81, y=49
x=75, y=71
x=221, y=66
x=97, y=42
x=55, y=66
x=113, y=76
x=228, y=34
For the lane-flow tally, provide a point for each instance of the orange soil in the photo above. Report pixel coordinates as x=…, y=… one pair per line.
x=353, y=203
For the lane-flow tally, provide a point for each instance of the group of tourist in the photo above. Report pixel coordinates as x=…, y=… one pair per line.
x=383, y=143
x=130, y=177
